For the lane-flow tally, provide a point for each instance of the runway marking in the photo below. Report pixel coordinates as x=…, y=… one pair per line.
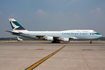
x=42, y=60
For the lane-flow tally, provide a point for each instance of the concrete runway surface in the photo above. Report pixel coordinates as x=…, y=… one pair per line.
x=79, y=55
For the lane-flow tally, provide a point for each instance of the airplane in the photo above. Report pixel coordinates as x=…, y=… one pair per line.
x=19, y=39
x=54, y=36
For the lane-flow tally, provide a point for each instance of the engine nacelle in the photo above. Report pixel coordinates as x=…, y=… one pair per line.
x=49, y=38
x=65, y=39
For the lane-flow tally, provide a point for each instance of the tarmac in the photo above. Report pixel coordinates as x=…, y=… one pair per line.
x=78, y=55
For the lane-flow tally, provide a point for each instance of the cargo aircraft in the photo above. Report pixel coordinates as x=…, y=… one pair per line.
x=54, y=36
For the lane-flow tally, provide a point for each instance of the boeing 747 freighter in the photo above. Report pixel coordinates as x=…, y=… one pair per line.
x=54, y=36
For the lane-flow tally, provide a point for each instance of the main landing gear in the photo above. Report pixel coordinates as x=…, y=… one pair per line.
x=90, y=41
x=55, y=42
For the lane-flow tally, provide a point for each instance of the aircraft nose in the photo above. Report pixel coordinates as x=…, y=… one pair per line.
x=100, y=35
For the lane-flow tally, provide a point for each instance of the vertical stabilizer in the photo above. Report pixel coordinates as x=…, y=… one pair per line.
x=15, y=25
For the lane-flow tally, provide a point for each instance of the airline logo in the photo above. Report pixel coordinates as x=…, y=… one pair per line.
x=15, y=26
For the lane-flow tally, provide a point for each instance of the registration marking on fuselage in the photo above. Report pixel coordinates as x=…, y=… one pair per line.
x=45, y=58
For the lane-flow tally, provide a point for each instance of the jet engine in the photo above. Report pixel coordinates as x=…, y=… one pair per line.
x=64, y=39
x=49, y=38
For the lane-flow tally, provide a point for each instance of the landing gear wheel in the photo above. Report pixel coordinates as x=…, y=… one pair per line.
x=55, y=42
x=90, y=41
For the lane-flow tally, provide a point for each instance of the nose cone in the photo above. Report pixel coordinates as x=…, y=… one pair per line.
x=100, y=35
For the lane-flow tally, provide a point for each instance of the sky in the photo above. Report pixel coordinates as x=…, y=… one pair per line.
x=53, y=15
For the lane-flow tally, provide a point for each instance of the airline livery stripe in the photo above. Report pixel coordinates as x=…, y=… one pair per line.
x=42, y=60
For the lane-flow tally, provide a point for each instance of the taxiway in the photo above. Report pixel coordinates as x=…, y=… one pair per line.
x=78, y=55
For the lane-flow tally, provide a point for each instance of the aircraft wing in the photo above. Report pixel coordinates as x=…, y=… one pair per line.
x=55, y=37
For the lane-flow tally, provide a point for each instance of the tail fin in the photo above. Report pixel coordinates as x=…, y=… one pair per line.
x=15, y=25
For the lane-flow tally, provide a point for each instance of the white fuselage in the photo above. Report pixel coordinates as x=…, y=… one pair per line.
x=74, y=34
